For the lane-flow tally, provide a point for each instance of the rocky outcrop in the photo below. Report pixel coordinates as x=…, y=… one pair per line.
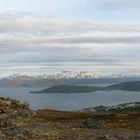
x=18, y=132
x=12, y=111
x=92, y=123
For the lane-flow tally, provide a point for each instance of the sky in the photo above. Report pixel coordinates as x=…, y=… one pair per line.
x=43, y=36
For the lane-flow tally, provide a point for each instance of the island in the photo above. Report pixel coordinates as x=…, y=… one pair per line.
x=127, y=86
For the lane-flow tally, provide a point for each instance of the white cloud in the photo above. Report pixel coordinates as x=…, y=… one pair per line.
x=25, y=39
x=49, y=25
x=120, y=4
x=24, y=32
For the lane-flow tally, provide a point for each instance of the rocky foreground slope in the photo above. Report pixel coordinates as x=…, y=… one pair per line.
x=18, y=122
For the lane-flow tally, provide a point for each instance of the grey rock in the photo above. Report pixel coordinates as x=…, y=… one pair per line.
x=18, y=132
x=92, y=123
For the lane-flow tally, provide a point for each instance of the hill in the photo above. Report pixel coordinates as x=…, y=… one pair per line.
x=68, y=89
x=125, y=107
x=127, y=86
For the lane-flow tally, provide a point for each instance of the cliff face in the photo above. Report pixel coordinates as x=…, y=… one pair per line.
x=18, y=122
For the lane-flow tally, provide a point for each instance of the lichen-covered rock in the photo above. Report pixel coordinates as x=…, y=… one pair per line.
x=13, y=108
x=91, y=123
x=5, y=121
x=18, y=131
x=12, y=112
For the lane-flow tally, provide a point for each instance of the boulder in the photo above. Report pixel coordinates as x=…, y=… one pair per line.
x=91, y=123
x=18, y=132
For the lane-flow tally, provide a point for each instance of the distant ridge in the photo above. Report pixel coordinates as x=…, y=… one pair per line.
x=125, y=107
x=128, y=86
x=68, y=89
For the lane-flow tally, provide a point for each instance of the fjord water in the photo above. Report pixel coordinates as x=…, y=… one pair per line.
x=70, y=102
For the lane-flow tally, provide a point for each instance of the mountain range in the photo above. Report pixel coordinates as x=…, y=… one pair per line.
x=64, y=77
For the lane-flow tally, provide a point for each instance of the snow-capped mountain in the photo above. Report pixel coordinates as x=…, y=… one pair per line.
x=64, y=75
x=61, y=78
x=19, y=76
x=73, y=75
x=58, y=75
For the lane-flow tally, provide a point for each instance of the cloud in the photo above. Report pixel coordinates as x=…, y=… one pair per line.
x=20, y=33
x=40, y=40
x=34, y=38
x=119, y=4
x=49, y=25
x=41, y=43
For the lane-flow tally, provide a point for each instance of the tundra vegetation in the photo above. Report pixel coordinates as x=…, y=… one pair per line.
x=19, y=122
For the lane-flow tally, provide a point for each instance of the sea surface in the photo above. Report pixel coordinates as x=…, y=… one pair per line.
x=69, y=101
